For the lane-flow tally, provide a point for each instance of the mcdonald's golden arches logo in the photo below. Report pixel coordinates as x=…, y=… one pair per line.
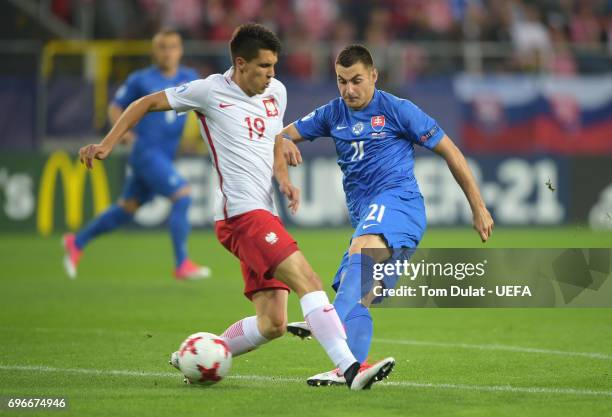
x=73, y=175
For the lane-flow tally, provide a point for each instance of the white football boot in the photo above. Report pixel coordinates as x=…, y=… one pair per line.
x=324, y=379
x=363, y=378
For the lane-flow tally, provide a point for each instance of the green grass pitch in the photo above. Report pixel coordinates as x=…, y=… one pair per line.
x=103, y=340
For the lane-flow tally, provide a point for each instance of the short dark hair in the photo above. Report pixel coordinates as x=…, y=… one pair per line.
x=249, y=38
x=353, y=54
x=165, y=31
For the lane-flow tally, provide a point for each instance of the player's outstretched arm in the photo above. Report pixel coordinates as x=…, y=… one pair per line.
x=291, y=136
x=281, y=173
x=482, y=220
x=114, y=113
x=128, y=119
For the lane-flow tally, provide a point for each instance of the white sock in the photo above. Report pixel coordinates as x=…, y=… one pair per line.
x=243, y=336
x=327, y=328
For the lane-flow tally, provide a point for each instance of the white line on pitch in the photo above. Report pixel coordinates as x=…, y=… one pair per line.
x=508, y=348
x=503, y=388
x=404, y=384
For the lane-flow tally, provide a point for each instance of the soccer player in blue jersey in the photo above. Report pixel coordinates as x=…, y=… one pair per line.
x=151, y=171
x=374, y=133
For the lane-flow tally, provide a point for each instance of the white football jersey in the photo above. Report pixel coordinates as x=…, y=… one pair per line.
x=239, y=131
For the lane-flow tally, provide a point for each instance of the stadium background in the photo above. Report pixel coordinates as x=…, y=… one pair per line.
x=525, y=89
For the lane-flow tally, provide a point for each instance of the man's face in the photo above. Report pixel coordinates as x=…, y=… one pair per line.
x=167, y=51
x=258, y=72
x=356, y=84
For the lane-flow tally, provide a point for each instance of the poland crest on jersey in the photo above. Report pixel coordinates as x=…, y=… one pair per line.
x=270, y=105
x=377, y=123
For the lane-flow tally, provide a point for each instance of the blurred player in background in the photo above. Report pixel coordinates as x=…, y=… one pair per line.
x=374, y=134
x=150, y=170
x=241, y=113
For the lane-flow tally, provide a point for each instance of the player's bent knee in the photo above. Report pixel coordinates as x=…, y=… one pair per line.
x=367, y=242
x=183, y=192
x=358, y=244
x=273, y=327
x=274, y=332
x=368, y=299
x=130, y=206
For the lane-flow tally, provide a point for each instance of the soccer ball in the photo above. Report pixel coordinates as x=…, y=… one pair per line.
x=204, y=358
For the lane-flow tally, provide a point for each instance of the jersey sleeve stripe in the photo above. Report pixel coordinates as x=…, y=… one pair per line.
x=215, y=159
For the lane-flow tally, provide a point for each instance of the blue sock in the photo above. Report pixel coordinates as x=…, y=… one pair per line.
x=179, y=228
x=108, y=221
x=359, y=328
x=350, y=292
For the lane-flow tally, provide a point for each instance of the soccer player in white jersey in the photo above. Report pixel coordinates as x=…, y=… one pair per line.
x=241, y=112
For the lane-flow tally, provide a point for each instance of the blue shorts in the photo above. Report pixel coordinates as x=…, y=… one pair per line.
x=398, y=217
x=151, y=174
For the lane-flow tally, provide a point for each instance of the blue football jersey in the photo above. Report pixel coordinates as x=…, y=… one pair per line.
x=159, y=131
x=375, y=146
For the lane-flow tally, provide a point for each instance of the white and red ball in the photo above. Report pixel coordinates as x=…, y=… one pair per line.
x=204, y=358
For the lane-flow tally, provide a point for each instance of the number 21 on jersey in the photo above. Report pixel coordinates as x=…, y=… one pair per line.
x=358, y=152
x=376, y=213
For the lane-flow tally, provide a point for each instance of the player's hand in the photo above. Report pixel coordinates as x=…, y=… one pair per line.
x=90, y=152
x=293, y=194
x=292, y=154
x=483, y=223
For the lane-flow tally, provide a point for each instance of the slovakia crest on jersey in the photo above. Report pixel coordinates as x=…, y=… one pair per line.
x=270, y=106
x=378, y=123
